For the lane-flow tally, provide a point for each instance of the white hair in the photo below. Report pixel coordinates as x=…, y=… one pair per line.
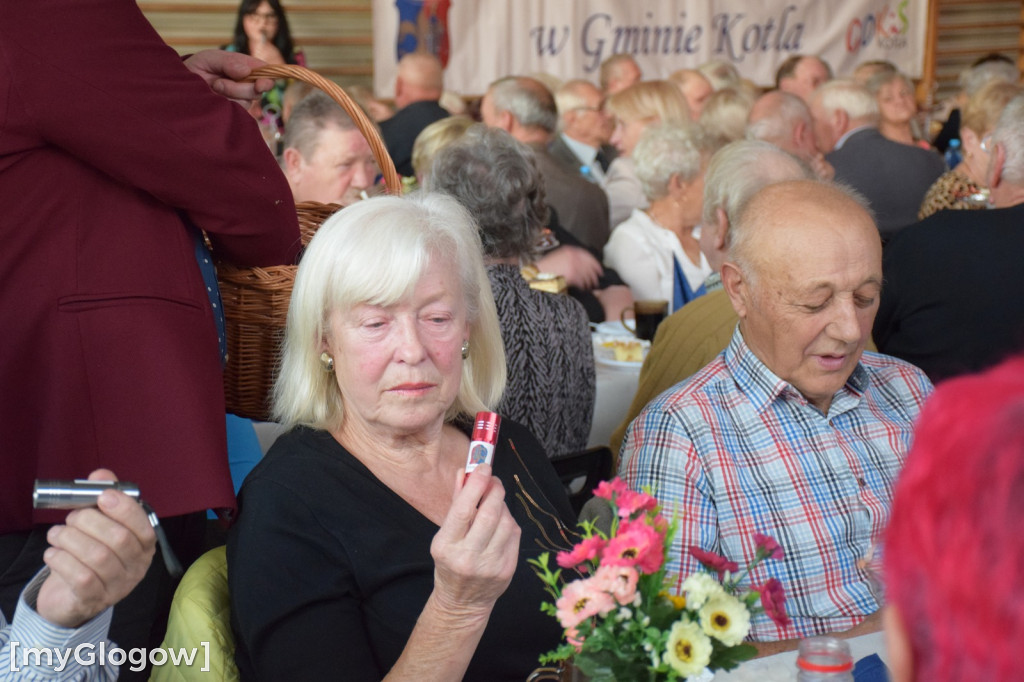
x=740, y=169
x=848, y=96
x=668, y=149
x=974, y=78
x=780, y=122
x=569, y=97
x=1009, y=132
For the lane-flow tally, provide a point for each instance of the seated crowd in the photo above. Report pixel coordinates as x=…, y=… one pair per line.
x=820, y=277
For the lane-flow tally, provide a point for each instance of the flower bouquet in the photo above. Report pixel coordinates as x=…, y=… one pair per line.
x=620, y=624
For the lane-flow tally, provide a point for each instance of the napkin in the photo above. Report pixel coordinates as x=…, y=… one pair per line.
x=870, y=669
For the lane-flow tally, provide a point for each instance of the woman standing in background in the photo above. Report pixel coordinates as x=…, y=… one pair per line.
x=262, y=31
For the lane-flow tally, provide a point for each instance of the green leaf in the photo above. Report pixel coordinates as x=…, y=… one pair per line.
x=727, y=658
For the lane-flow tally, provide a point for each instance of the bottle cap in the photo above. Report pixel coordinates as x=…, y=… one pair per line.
x=485, y=427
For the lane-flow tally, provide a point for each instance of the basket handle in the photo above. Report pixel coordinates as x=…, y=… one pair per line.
x=369, y=129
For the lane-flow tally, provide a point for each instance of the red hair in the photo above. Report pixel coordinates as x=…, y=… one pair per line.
x=954, y=549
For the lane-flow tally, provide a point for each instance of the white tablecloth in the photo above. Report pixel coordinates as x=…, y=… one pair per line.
x=616, y=386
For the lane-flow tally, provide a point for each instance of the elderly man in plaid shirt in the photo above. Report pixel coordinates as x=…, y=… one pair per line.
x=793, y=431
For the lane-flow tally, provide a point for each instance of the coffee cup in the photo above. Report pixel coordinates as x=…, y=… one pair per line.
x=647, y=316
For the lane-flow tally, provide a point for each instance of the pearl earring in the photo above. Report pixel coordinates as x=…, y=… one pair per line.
x=327, y=361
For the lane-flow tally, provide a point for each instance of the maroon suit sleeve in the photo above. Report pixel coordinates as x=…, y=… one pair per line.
x=97, y=82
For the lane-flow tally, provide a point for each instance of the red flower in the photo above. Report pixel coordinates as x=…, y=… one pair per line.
x=714, y=561
x=768, y=547
x=610, y=489
x=773, y=599
x=584, y=551
x=636, y=544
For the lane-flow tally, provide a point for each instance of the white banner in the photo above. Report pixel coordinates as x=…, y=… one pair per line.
x=483, y=40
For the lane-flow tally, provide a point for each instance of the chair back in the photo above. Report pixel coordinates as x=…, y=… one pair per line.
x=201, y=612
x=592, y=465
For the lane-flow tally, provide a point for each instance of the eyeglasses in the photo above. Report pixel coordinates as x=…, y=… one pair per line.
x=269, y=17
x=599, y=108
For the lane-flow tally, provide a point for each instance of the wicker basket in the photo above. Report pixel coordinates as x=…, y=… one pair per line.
x=256, y=299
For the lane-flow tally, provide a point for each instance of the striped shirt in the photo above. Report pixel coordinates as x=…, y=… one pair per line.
x=736, y=450
x=30, y=630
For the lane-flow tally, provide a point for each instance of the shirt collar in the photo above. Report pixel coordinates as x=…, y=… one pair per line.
x=762, y=387
x=584, y=152
x=713, y=282
x=849, y=133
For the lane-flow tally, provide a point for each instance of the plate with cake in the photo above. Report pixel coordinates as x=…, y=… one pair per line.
x=619, y=351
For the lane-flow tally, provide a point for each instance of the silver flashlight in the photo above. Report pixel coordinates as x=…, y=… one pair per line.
x=77, y=494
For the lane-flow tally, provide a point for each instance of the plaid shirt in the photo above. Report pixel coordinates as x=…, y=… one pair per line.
x=735, y=450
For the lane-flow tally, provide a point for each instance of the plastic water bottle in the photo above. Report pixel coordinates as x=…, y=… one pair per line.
x=953, y=154
x=824, y=659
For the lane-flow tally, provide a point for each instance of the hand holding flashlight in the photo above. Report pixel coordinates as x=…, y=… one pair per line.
x=97, y=557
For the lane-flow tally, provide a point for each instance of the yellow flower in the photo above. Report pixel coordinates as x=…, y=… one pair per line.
x=689, y=650
x=678, y=600
x=725, y=618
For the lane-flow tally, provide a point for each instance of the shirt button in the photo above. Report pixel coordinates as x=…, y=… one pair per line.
x=861, y=482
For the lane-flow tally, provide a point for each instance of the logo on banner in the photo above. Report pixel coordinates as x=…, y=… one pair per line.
x=423, y=27
x=888, y=27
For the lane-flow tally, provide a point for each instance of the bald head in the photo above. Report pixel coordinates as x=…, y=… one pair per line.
x=797, y=208
x=420, y=78
x=804, y=275
x=618, y=72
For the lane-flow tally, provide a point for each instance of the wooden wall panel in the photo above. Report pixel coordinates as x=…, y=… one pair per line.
x=965, y=30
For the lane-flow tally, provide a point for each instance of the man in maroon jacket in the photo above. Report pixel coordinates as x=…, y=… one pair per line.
x=114, y=153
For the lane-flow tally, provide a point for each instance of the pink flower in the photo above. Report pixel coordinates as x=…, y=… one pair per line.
x=618, y=581
x=714, y=561
x=773, y=599
x=636, y=544
x=768, y=547
x=630, y=502
x=609, y=489
x=572, y=636
x=582, y=599
x=584, y=551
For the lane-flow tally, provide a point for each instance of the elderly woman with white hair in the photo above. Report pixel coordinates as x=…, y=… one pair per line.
x=656, y=251
x=361, y=550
